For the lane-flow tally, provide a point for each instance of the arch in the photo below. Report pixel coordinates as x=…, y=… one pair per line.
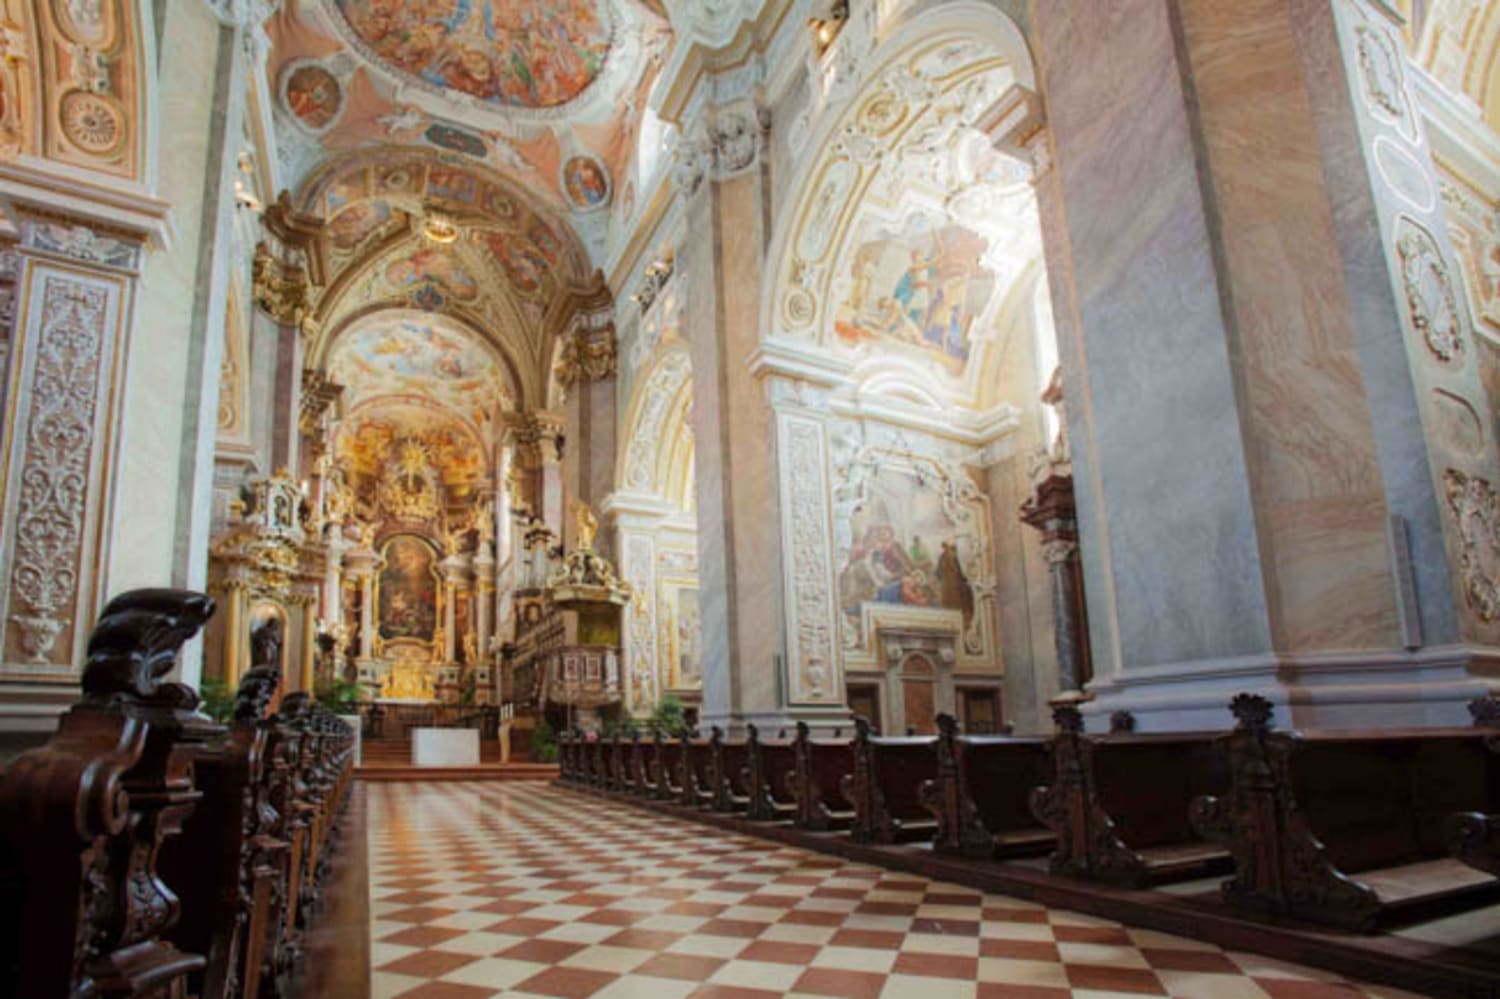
x=662, y=393
x=903, y=164
x=461, y=321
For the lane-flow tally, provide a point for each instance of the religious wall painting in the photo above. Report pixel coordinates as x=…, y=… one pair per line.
x=395, y=354
x=353, y=225
x=586, y=182
x=684, y=622
x=919, y=287
x=312, y=95
x=457, y=139
x=408, y=589
x=523, y=264
x=343, y=191
x=453, y=185
x=430, y=278
x=904, y=537
x=545, y=241
x=514, y=53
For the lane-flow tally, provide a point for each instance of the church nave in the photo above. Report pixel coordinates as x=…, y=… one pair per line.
x=511, y=888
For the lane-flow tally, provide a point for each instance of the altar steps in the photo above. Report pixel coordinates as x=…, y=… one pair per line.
x=390, y=760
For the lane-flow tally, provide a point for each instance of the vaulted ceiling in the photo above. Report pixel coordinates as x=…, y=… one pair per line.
x=549, y=93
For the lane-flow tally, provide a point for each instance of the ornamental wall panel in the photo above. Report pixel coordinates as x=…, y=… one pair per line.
x=814, y=676
x=60, y=422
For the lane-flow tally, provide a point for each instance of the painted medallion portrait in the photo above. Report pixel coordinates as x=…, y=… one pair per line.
x=516, y=53
x=408, y=589
x=313, y=96
x=586, y=182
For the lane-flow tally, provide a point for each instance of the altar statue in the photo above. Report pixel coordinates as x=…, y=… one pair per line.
x=587, y=523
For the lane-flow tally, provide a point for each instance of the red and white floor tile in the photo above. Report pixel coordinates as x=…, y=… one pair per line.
x=528, y=890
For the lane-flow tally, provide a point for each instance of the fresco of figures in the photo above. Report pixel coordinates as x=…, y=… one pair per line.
x=901, y=544
x=517, y=53
x=408, y=589
x=430, y=278
x=687, y=637
x=412, y=354
x=921, y=286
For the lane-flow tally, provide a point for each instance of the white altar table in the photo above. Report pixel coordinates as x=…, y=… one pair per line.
x=445, y=747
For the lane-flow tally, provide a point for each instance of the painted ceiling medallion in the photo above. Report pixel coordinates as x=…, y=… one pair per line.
x=512, y=53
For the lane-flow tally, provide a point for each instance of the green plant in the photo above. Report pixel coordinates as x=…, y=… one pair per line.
x=218, y=700
x=543, y=742
x=339, y=696
x=667, y=718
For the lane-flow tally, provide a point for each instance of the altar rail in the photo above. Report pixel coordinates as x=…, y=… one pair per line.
x=1352, y=829
x=150, y=852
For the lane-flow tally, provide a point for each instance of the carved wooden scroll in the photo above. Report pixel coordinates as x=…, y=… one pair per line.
x=960, y=830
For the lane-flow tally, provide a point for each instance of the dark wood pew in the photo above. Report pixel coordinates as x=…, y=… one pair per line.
x=885, y=786
x=731, y=782
x=665, y=768
x=638, y=763
x=84, y=907
x=1118, y=804
x=980, y=797
x=565, y=773
x=1350, y=829
x=769, y=767
x=1474, y=839
x=227, y=862
x=617, y=777
x=818, y=771
x=598, y=774
x=694, y=776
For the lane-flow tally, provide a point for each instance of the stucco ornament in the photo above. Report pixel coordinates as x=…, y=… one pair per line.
x=1476, y=514
x=54, y=477
x=1431, y=300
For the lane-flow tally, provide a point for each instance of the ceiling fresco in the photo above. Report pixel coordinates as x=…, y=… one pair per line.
x=418, y=355
x=512, y=52
x=551, y=94
x=915, y=237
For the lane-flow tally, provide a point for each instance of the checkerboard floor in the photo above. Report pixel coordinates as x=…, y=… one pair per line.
x=529, y=890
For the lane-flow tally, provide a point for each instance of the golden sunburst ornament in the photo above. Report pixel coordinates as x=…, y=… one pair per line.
x=439, y=228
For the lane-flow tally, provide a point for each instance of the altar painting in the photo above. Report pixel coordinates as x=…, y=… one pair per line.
x=904, y=547
x=685, y=622
x=920, y=286
x=408, y=589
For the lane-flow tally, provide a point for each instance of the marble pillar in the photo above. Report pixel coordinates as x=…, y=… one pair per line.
x=753, y=666
x=1257, y=434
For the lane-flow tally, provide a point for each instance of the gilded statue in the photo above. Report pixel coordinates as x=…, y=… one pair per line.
x=587, y=523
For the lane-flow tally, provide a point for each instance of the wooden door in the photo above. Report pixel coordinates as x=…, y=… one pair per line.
x=917, y=696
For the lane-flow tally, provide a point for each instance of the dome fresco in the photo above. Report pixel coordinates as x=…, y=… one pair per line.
x=513, y=53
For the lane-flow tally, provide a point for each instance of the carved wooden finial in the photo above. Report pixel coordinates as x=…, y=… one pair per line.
x=715, y=734
x=752, y=733
x=803, y=732
x=257, y=687
x=1067, y=718
x=265, y=644
x=947, y=726
x=136, y=642
x=1252, y=711
x=1122, y=721
x=1485, y=711
x=861, y=728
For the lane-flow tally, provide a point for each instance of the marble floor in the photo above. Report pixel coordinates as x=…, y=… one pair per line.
x=484, y=889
